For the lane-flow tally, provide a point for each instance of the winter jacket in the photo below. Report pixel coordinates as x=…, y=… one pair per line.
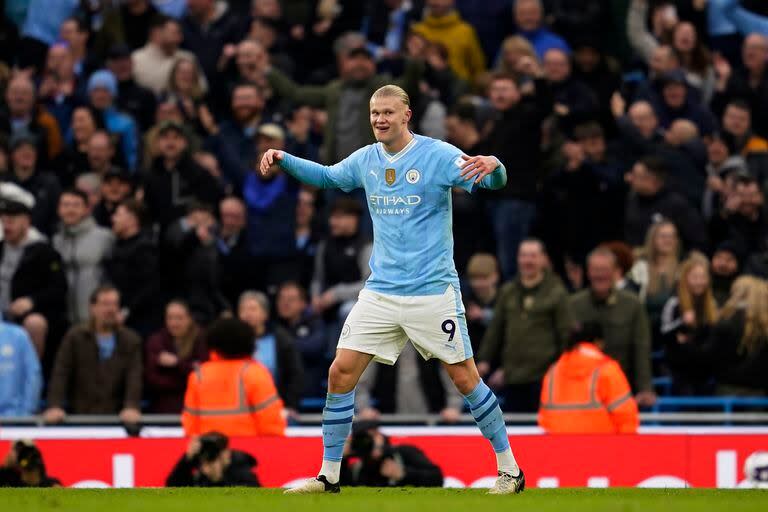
x=585, y=392
x=40, y=276
x=21, y=380
x=83, y=248
x=166, y=385
x=133, y=269
x=528, y=330
x=124, y=126
x=207, y=42
x=465, y=56
x=626, y=331
x=642, y=211
x=84, y=384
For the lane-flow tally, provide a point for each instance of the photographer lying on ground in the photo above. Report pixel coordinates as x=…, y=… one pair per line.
x=371, y=461
x=210, y=463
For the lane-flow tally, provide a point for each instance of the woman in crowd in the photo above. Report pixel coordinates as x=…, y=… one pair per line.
x=657, y=269
x=171, y=354
x=737, y=350
x=687, y=319
x=694, y=59
x=184, y=87
x=74, y=159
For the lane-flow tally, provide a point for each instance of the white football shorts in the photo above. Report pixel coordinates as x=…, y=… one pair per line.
x=381, y=325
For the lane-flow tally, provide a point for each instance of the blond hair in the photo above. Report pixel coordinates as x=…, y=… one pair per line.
x=686, y=298
x=658, y=269
x=749, y=294
x=517, y=44
x=392, y=91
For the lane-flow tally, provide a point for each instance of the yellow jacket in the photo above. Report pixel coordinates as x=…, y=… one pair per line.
x=465, y=56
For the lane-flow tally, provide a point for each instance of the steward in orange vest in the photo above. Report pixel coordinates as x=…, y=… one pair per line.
x=586, y=392
x=232, y=393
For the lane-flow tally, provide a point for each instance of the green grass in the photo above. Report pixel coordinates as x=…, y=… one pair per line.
x=375, y=500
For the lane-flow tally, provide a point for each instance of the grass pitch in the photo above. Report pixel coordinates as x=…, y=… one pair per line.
x=386, y=500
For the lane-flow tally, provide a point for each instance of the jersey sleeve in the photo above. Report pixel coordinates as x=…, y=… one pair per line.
x=344, y=175
x=448, y=157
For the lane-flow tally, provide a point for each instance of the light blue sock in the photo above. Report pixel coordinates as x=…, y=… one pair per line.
x=337, y=424
x=487, y=413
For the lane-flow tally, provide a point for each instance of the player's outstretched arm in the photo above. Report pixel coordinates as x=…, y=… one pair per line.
x=486, y=171
x=308, y=172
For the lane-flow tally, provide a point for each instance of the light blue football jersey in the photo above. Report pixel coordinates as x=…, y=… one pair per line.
x=409, y=197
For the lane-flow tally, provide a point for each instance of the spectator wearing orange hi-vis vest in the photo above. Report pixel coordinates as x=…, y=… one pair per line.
x=232, y=393
x=586, y=392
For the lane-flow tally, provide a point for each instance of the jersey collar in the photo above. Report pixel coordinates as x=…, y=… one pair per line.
x=397, y=156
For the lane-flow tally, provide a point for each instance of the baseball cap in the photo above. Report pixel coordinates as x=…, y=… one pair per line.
x=103, y=79
x=171, y=125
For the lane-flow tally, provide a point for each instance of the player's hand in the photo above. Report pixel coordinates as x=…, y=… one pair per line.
x=392, y=469
x=54, y=415
x=271, y=157
x=478, y=167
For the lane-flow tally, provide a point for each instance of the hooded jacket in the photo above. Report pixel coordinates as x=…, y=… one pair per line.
x=465, y=56
x=83, y=248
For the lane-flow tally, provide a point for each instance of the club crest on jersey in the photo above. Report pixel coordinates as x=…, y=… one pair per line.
x=413, y=176
x=389, y=176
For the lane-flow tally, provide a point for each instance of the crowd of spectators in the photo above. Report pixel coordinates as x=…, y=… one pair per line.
x=634, y=134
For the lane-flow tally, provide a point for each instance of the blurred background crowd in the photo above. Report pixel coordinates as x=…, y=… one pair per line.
x=634, y=134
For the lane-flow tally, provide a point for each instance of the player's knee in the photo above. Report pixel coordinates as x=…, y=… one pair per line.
x=465, y=381
x=341, y=377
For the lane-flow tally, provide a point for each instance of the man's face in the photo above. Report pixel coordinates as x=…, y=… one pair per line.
x=20, y=96
x=600, y=270
x=724, y=264
x=59, y=61
x=72, y=209
x=122, y=220
x=199, y=8
x=172, y=145
x=594, y=148
x=24, y=157
x=15, y=227
x=557, y=68
x=662, y=60
x=343, y=224
x=69, y=32
x=121, y=67
x=251, y=312
x=101, y=98
x=100, y=151
x=644, y=119
x=736, y=121
x=717, y=151
x=643, y=182
x=247, y=103
x=171, y=37
x=530, y=260
x=115, y=190
x=290, y=303
x=503, y=94
x=674, y=94
x=586, y=58
x=232, y=213
x=356, y=68
x=527, y=15
x=106, y=309
x=389, y=118
x=439, y=8
x=750, y=199
x=755, y=52
x=249, y=56
x=82, y=125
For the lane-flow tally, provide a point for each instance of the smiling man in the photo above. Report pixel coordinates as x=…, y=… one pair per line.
x=413, y=290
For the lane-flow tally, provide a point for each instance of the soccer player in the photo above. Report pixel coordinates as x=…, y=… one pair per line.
x=413, y=291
